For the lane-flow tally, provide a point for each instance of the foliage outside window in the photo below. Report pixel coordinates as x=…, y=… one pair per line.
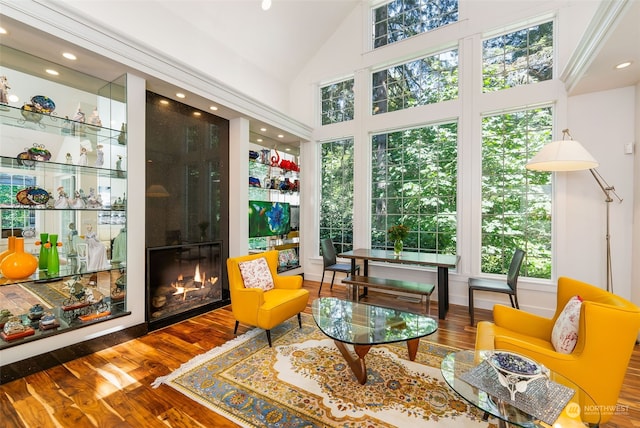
x=400, y=19
x=336, y=194
x=519, y=58
x=10, y=185
x=337, y=102
x=424, y=81
x=516, y=202
x=414, y=182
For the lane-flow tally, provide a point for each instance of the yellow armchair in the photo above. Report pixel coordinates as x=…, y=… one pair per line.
x=607, y=332
x=265, y=309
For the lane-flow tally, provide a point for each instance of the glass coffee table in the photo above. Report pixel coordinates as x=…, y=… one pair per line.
x=552, y=401
x=362, y=325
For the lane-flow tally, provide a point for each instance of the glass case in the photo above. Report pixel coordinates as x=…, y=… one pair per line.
x=63, y=182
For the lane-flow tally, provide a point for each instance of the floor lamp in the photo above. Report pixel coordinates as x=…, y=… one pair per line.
x=569, y=155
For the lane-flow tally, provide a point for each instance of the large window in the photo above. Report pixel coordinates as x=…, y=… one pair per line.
x=414, y=182
x=337, y=102
x=424, y=81
x=400, y=19
x=10, y=185
x=336, y=193
x=518, y=58
x=516, y=202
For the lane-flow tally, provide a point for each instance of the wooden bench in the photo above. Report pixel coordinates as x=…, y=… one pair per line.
x=391, y=284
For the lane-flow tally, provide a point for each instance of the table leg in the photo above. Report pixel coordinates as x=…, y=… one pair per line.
x=443, y=292
x=356, y=364
x=412, y=347
x=365, y=273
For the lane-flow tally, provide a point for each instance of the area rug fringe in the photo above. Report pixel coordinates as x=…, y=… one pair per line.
x=199, y=359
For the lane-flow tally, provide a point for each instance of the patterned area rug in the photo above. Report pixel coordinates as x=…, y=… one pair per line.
x=303, y=381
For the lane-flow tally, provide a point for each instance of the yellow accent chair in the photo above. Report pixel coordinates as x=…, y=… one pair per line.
x=607, y=331
x=265, y=309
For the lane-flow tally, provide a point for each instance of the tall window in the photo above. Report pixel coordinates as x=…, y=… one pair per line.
x=400, y=19
x=10, y=185
x=516, y=202
x=414, y=182
x=424, y=81
x=518, y=58
x=336, y=194
x=337, y=102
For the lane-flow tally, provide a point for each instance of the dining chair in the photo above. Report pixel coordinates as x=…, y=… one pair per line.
x=330, y=262
x=498, y=286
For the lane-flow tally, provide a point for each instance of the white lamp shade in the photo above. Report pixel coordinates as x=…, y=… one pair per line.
x=564, y=155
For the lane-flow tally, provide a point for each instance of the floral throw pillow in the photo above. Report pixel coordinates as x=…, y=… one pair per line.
x=256, y=274
x=565, y=331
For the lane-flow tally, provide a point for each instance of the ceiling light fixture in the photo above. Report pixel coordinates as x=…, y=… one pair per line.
x=623, y=65
x=164, y=102
x=266, y=4
x=197, y=113
x=3, y=31
x=52, y=72
x=214, y=108
x=69, y=56
x=263, y=129
x=180, y=95
x=259, y=140
x=280, y=136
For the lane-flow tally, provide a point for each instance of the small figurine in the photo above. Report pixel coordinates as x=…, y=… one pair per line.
x=94, y=119
x=122, y=137
x=83, y=157
x=119, y=167
x=47, y=318
x=35, y=312
x=4, y=90
x=63, y=199
x=69, y=159
x=99, y=156
x=78, y=122
x=67, y=126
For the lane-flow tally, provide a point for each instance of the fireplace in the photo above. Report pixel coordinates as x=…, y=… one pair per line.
x=183, y=281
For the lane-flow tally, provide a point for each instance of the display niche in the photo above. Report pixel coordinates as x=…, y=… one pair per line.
x=274, y=206
x=63, y=201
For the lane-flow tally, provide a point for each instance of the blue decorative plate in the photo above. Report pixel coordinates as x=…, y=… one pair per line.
x=43, y=104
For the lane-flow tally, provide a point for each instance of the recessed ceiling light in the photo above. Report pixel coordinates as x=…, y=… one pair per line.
x=263, y=129
x=214, y=108
x=180, y=95
x=70, y=56
x=266, y=4
x=3, y=31
x=197, y=113
x=259, y=140
x=288, y=149
x=52, y=72
x=165, y=102
x=624, y=65
x=280, y=136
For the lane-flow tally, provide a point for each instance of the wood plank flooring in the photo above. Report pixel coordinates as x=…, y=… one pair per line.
x=111, y=388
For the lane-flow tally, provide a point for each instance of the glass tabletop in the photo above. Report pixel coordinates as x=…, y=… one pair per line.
x=362, y=324
x=579, y=411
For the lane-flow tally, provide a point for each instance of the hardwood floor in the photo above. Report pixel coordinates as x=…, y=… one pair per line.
x=111, y=388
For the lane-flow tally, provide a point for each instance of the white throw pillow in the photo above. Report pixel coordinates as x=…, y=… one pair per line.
x=565, y=331
x=256, y=274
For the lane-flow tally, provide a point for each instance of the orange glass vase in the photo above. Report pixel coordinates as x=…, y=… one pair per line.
x=11, y=245
x=19, y=264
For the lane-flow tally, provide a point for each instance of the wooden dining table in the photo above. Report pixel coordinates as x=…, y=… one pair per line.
x=443, y=262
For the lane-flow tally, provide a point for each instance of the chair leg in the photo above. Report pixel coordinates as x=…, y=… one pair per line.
x=332, y=279
x=269, y=337
x=235, y=329
x=321, y=281
x=516, y=299
x=471, y=306
x=299, y=320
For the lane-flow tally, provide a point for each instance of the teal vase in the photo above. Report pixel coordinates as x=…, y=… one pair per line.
x=43, y=258
x=53, y=267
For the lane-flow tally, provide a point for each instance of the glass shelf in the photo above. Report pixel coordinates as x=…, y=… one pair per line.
x=60, y=168
x=66, y=271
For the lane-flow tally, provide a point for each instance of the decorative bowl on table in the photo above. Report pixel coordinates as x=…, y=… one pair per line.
x=515, y=372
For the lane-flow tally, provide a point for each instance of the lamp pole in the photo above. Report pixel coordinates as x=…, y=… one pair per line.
x=608, y=191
